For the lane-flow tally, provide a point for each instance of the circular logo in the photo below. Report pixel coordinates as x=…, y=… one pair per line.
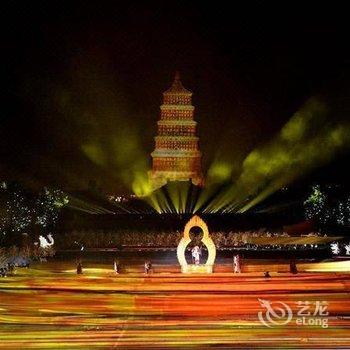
x=276, y=313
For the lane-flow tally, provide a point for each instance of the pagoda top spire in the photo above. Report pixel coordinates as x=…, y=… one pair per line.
x=177, y=87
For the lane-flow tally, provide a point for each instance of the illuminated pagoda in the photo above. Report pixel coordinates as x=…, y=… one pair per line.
x=176, y=156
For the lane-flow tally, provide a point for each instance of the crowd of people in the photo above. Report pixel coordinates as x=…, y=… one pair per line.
x=109, y=239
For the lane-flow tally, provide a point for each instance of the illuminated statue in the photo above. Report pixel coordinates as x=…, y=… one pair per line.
x=46, y=242
x=335, y=248
x=347, y=249
x=176, y=156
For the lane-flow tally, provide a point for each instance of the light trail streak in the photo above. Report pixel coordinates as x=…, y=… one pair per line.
x=44, y=307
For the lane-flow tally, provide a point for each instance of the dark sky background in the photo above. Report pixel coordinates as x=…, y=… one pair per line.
x=77, y=73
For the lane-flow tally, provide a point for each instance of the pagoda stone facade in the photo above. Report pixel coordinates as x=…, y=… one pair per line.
x=176, y=156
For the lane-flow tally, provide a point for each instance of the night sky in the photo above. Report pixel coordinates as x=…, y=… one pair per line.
x=79, y=73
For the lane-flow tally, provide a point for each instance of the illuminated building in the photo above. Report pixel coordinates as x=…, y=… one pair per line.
x=176, y=156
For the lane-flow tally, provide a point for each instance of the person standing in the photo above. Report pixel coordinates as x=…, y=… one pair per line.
x=196, y=252
x=79, y=267
x=293, y=267
x=148, y=267
x=237, y=264
x=116, y=266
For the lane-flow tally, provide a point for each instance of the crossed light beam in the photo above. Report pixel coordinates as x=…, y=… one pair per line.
x=308, y=140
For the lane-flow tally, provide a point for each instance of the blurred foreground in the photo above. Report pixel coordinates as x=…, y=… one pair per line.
x=48, y=306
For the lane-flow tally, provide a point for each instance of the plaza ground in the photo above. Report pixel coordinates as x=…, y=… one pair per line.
x=48, y=306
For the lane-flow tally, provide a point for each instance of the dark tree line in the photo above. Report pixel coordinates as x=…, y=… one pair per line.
x=328, y=206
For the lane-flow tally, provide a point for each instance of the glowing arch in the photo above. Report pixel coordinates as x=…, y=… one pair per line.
x=196, y=221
